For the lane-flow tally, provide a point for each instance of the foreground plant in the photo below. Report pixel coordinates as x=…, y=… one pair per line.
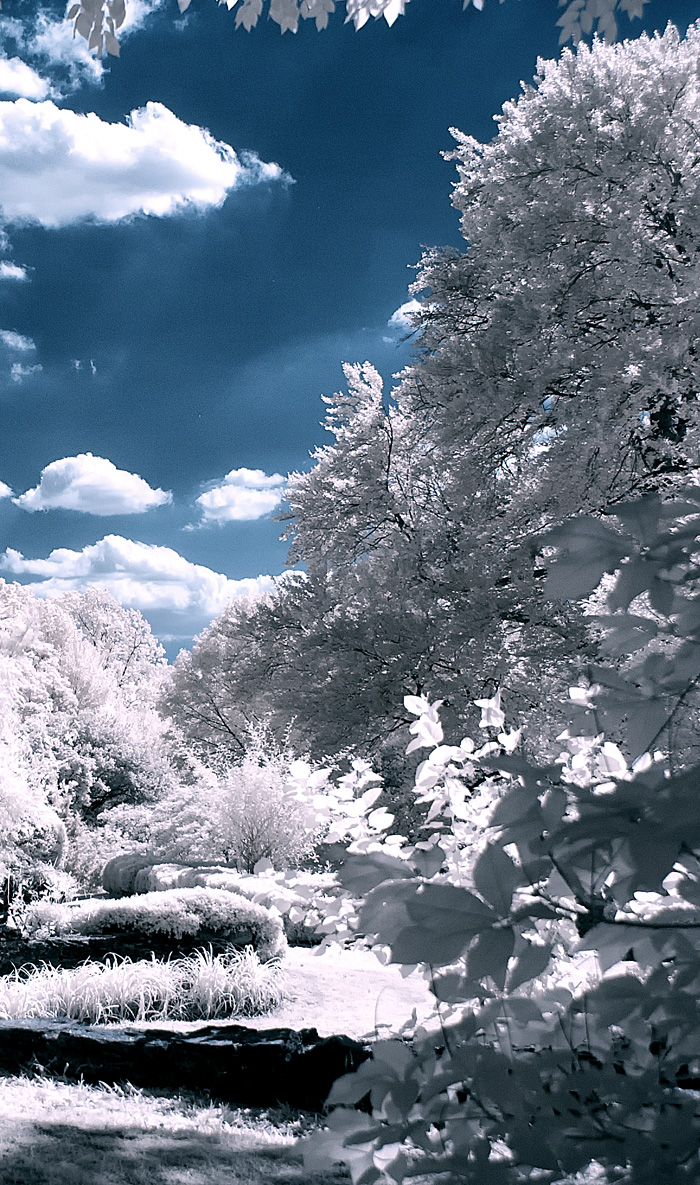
x=567, y=945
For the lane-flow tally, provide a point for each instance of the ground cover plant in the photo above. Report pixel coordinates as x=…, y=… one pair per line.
x=202, y=986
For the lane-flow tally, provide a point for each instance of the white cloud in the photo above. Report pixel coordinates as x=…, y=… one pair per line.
x=139, y=575
x=18, y=372
x=244, y=494
x=400, y=319
x=5, y=491
x=16, y=341
x=12, y=271
x=52, y=40
x=58, y=166
x=93, y=485
x=17, y=78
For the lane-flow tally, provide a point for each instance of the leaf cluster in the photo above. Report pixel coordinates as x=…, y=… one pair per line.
x=566, y=953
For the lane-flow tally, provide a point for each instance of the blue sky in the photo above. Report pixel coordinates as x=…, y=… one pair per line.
x=184, y=272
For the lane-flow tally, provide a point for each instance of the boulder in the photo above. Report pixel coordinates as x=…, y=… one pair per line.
x=236, y=1065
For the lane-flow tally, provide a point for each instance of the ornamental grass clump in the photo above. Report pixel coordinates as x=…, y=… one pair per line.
x=182, y=913
x=202, y=986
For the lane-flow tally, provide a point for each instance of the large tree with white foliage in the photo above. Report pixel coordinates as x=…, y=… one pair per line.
x=557, y=372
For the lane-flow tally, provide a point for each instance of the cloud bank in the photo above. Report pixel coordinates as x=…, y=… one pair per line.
x=5, y=491
x=92, y=485
x=243, y=495
x=58, y=167
x=141, y=576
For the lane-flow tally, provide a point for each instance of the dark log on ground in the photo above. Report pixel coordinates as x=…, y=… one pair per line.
x=244, y=1067
x=16, y=952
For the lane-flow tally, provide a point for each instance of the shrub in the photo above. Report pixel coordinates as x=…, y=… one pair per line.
x=303, y=899
x=180, y=912
x=119, y=873
x=201, y=987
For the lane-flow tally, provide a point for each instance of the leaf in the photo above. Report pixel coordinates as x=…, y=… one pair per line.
x=72, y=12
x=496, y=877
x=428, y=861
x=427, y=944
x=451, y=909
x=662, y=596
x=384, y=912
x=587, y=550
x=532, y=961
x=359, y=874
x=395, y=1055
x=616, y=998
x=632, y=579
x=453, y=988
x=640, y=517
x=490, y=954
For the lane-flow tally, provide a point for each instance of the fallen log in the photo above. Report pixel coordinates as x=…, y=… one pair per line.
x=236, y=1065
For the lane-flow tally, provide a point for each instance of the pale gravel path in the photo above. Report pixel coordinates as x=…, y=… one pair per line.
x=345, y=992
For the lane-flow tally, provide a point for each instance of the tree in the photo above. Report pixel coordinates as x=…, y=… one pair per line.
x=98, y=21
x=565, y=339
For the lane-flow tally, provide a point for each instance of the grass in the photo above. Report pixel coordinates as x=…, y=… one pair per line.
x=56, y=1133
x=201, y=987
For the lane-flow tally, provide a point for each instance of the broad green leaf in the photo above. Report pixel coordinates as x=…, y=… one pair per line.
x=632, y=579
x=490, y=954
x=615, y=998
x=532, y=961
x=395, y=1055
x=384, y=912
x=428, y=861
x=496, y=877
x=450, y=909
x=640, y=517
x=359, y=874
x=453, y=988
x=428, y=944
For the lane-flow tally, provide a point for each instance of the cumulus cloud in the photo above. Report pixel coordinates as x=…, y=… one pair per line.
x=12, y=271
x=5, y=491
x=58, y=166
x=17, y=78
x=16, y=341
x=67, y=58
x=244, y=494
x=141, y=576
x=401, y=318
x=93, y=485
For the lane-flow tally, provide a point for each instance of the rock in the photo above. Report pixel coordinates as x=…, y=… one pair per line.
x=237, y=1065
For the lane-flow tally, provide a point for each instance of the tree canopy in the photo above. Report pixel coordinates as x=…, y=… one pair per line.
x=556, y=373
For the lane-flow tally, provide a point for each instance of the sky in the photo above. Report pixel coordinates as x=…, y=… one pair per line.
x=195, y=236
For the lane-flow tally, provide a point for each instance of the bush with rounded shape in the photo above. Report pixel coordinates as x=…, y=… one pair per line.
x=180, y=912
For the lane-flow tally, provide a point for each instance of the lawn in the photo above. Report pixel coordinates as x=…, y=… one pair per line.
x=56, y=1133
